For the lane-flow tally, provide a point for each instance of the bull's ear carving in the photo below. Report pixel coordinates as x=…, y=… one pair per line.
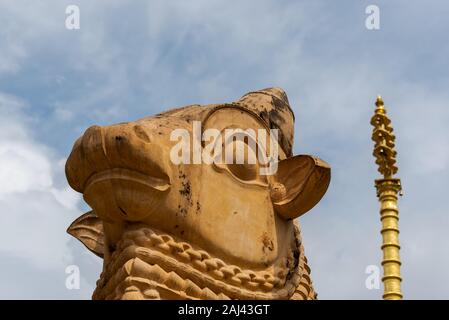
x=300, y=183
x=89, y=230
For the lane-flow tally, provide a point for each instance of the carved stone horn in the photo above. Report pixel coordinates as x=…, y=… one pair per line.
x=300, y=183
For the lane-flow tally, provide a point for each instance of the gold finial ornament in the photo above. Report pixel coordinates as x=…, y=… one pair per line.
x=387, y=191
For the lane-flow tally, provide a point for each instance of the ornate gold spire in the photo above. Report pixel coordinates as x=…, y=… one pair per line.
x=383, y=138
x=387, y=191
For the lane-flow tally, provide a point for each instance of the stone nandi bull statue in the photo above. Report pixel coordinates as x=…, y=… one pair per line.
x=202, y=230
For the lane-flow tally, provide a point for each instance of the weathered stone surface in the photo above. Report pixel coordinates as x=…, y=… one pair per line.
x=196, y=231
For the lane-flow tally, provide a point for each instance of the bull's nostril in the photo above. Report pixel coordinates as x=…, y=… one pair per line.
x=141, y=134
x=92, y=143
x=123, y=211
x=92, y=134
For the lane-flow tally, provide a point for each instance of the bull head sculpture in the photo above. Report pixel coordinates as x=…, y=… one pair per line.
x=197, y=230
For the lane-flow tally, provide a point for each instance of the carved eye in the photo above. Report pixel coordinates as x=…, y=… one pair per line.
x=241, y=160
x=238, y=156
x=248, y=169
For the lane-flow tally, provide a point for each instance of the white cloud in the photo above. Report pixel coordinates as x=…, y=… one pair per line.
x=36, y=210
x=23, y=167
x=35, y=213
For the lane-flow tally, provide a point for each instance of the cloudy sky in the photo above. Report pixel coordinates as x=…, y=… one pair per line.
x=130, y=59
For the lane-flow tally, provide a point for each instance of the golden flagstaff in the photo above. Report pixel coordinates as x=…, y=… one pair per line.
x=387, y=190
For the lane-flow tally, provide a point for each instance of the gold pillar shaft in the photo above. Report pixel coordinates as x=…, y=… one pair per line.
x=387, y=191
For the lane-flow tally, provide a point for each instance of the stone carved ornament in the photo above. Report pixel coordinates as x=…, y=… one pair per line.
x=196, y=231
